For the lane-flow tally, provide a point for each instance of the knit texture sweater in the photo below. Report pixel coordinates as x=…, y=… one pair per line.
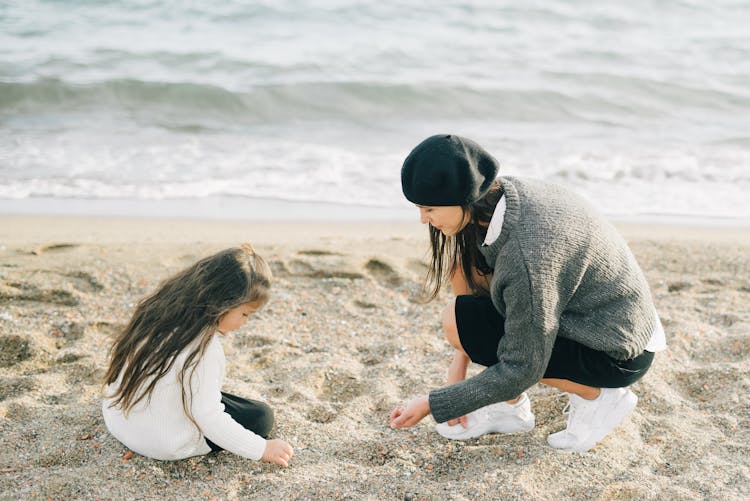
x=560, y=269
x=158, y=427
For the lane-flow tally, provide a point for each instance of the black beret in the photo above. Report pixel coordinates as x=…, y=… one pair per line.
x=447, y=170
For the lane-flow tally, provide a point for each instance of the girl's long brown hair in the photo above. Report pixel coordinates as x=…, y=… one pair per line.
x=184, y=312
x=462, y=249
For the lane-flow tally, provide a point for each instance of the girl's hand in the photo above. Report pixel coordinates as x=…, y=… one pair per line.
x=279, y=452
x=411, y=415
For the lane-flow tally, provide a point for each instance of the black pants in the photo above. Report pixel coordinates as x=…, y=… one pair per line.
x=480, y=328
x=251, y=414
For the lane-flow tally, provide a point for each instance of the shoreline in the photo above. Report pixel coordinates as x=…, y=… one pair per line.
x=262, y=209
x=40, y=229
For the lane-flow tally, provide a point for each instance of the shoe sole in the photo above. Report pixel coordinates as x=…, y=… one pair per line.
x=625, y=406
x=469, y=434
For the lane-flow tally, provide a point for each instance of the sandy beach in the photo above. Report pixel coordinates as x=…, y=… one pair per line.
x=343, y=341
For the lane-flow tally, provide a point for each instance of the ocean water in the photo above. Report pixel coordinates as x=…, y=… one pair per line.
x=641, y=106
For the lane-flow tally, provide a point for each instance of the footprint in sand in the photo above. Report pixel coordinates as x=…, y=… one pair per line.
x=317, y=252
x=418, y=267
x=383, y=273
x=299, y=267
x=548, y=410
x=341, y=387
x=723, y=319
x=654, y=404
x=624, y=490
x=305, y=269
x=374, y=355
x=678, y=286
x=321, y=414
x=70, y=331
x=15, y=291
x=729, y=349
x=365, y=305
x=69, y=458
x=279, y=268
x=258, y=341
x=78, y=373
x=14, y=349
x=715, y=385
x=349, y=275
x=56, y=247
x=83, y=281
x=370, y=453
x=68, y=358
x=78, y=280
x=54, y=296
x=21, y=413
x=107, y=329
x=11, y=387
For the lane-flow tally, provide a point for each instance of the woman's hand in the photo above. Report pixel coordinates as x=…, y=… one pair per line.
x=411, y=415
x=279, y=452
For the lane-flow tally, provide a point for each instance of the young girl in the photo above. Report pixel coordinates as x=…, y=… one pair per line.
x=164, y=397
x=547, y=291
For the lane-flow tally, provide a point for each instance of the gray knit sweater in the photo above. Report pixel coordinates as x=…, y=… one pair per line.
x=560, y=269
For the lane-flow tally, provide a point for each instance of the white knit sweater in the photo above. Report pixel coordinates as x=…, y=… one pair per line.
x=158, y=427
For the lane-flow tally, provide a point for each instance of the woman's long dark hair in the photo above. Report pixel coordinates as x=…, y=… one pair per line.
x=462, y=249
x=183, y=312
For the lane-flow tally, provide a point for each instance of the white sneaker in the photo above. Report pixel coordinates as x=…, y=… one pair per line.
x=589, y=421
x=495, y=418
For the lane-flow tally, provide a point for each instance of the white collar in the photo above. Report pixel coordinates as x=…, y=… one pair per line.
x=496, y=223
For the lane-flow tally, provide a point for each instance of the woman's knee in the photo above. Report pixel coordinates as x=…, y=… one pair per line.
x=450, y=328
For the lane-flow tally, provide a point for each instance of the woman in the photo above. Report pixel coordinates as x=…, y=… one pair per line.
x=547, y=291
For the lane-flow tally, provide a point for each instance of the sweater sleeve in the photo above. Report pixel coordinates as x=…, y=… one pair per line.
x=523, y=353
x=208, y=411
